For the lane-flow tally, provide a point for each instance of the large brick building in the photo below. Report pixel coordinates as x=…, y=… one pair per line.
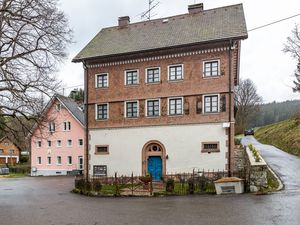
x=160, y=92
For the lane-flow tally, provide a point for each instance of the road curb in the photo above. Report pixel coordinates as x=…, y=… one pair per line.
x=280, y=187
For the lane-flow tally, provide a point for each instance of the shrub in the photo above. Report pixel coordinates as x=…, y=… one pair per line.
x=237, y=141
x=79, y=184
x=97, y=186
x=24, y=159
x=170, y=185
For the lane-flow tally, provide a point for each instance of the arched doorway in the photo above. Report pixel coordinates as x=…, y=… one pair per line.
x=154, y=159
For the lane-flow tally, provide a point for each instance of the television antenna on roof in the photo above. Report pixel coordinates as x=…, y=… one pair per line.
x=148, y=14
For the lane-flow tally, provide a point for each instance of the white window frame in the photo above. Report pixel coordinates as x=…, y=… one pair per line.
x=57, y=145
x=57, y=163
x=96, y=111
x=49, y=141
x=146, y=75
x=69, y=145
x=138, y=109
x=182, y=104
x=49, y=157
x=68, y=161
x=96, y=79
x=51, y=126
x=79, y=142
x=37, y=144
x=125, y=77
x=175, y=65
x=67, y=126
x=210, y=61
x=203, y=103
x=37, y=160
x=146, y=107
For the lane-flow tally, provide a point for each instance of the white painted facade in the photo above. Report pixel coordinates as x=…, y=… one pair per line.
x=182, y=144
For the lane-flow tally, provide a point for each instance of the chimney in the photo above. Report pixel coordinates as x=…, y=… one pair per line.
x=196, y=8
x=124, y=21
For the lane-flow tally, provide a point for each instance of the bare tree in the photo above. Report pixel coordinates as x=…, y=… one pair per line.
x=34, y=35
x=246, y=102
x=292, y=46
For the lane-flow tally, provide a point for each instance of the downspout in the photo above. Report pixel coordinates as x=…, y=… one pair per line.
x=230, y=113
x=86, y=112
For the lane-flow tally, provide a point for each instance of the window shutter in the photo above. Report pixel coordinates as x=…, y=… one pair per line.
x=223, y=103
x=186, y=107
x=141, y=108
x=199, y=105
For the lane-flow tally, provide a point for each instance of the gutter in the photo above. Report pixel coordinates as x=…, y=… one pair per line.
x=86, y=112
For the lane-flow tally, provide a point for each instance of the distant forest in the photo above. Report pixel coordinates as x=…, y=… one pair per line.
x=274, y=112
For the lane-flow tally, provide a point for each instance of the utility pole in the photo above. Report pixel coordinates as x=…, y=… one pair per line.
x=147, y=14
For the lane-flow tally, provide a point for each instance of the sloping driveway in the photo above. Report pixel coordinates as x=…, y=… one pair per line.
x=285, y=165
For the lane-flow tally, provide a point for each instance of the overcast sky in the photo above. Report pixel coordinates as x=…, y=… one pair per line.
x=262, y=58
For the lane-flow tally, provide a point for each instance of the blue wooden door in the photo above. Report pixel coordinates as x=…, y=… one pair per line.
x=155, y=167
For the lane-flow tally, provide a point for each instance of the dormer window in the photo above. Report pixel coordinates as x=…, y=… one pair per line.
x=58, y=107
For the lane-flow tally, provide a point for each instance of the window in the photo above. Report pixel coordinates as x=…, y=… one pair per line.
x=51, y=126
x=211, y=68
x=102, y=111
x=49, y=160
x=101, y=149
x=11, y=151
x=1, y=151
x=67, y=126
x=39, y=160
x=39, y=144
x=176, y=106
x=153, y=75
x=210, y=147
x=153, y=108
x=59, y=160
x=49, y=144
x=100, y=170
x=58, y=107
x=211, y=104
x=70, y=160
x=6, y=143
x=131, y=109
x=69, y=143
x=101, y=80
x=80, y=142
x=176, y=72
x=58, y=143
x=131, y=77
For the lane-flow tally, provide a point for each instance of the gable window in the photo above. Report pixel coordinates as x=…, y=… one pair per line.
x=51, y=126
x=211, y=104
x=153, y=75
x=101, y=149
x=210, y=147
x=100, y=170
x=39, y=160
x=39, y=144
x=80, y=142
x=102, y=80
x=49, y=144
x=176, y=106
x=49, y=160
x=69, y=143
x=131, y=109
x=58, y=143
x=11, y=151
x=70, y=160
x=153, y=107
x=58, y=107
x=211, y=68
x=102, y=111
x=176, y=72
x=131, y=77
x=58, y=160
x=1, y=151
x=67, y=126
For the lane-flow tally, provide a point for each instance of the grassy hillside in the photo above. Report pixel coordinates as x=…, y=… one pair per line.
x=284, y=135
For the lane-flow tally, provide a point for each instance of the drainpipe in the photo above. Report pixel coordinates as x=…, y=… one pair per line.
x=230, y=113
x=86, y=112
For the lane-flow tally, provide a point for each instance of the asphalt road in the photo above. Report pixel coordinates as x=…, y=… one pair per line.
x=285, y=165
x=48, y=201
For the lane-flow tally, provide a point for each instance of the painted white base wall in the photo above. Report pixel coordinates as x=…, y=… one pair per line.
x=49, y=172
x=182, y=144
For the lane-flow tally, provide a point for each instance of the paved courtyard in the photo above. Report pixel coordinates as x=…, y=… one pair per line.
x=48, y=201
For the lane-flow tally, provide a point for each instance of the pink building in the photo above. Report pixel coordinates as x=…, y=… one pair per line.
x=57, y=143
